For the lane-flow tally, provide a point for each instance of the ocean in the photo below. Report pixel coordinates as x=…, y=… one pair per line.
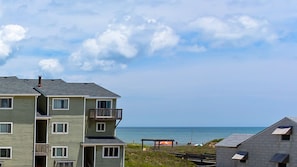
x=182, y=135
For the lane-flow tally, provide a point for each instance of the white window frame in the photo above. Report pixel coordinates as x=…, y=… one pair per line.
x=65, y=124
x=110, y=147
x=10, y=156
x=53, y=103
x=11, y=127
x=63, y=163
x=5, y=108
x=97, y=106
x=99, y=124
x=64, y=149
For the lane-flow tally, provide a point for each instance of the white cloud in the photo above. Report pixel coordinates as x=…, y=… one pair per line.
x=163, y=38
x=4, y=50
x=105, y=65
x=50, y=65
x=110, y=41
x=118, y=41
x=123, y=41
x=235, y=28
x=195, y=48
x=102, y=51
x=9, y=34
x=12, y=33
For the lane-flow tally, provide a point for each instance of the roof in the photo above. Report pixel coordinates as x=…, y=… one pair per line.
x=234, y=140
x=103, y=141
x=15, y=86
x=293, y=119
x=58, y=87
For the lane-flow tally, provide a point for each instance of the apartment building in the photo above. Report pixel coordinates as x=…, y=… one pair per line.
x=52, y=123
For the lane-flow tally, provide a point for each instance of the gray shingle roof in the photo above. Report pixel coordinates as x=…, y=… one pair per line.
x=14, y=86
x=58, y=87
x=293, y=119
x=103, y=141
x=234, y=140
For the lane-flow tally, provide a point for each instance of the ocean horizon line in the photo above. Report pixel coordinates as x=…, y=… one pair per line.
x=191, y=126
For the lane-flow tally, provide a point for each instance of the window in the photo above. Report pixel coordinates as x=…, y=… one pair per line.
x=104, y=104
x=111, y=152
x=61, y=104
x=64, y=164
x=282, y=165
x=100, y=126
x=6, y=103
x=281, y=159
x=242, y=156
x=5, y=127
x=286, y=137
x=59, y=152
x=60, y=128
x=284, y=131
x=5, y=152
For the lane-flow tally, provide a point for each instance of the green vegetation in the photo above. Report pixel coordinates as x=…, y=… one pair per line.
x=165, y=156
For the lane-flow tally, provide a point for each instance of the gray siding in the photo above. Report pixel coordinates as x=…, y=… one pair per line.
x=91, y=128
x=224, y=156
x=108, y=162
x=91, y=123
x=75, y=119
x=21, y=141
x=261, y=148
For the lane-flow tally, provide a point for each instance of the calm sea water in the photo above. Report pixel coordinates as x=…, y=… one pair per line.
x=183, y=135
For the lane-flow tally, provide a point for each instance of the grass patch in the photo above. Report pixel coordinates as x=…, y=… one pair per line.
x=164, y=157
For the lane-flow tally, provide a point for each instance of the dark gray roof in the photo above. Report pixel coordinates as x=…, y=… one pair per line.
x=234, y=140
x=293, y=119
x=103, y=141
x=15, y=86
x=58, y=87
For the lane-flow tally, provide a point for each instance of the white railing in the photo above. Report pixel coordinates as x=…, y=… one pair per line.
x=105, y=113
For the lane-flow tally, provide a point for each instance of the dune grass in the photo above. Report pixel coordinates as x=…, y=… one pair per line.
x=163, y=157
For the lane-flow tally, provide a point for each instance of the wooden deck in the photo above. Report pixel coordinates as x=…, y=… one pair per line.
x=205, y=160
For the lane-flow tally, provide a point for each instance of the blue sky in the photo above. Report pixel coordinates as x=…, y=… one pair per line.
x=174, y=62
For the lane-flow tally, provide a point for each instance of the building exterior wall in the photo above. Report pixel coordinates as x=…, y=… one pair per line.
x=74, y=117
x=225, y=154
x=261, y=148
x=108, y=162
x=91, y=128
x=91, y=123
x=21, y=140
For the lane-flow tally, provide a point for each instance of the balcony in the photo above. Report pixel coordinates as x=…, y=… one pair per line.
x=41, y=149
x=105, y=114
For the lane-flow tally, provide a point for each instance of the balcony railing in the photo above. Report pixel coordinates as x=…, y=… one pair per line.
x=106, y=114
x=41, y=148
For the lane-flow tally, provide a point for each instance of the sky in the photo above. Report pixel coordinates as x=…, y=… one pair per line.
x=173, y=62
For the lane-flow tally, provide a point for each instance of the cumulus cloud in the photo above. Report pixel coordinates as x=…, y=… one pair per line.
x=121, y=42
x=9, y=35
x=195, y=48
x=50, y=65
x=102, y=50
x=234, y=28
x=163, y=38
